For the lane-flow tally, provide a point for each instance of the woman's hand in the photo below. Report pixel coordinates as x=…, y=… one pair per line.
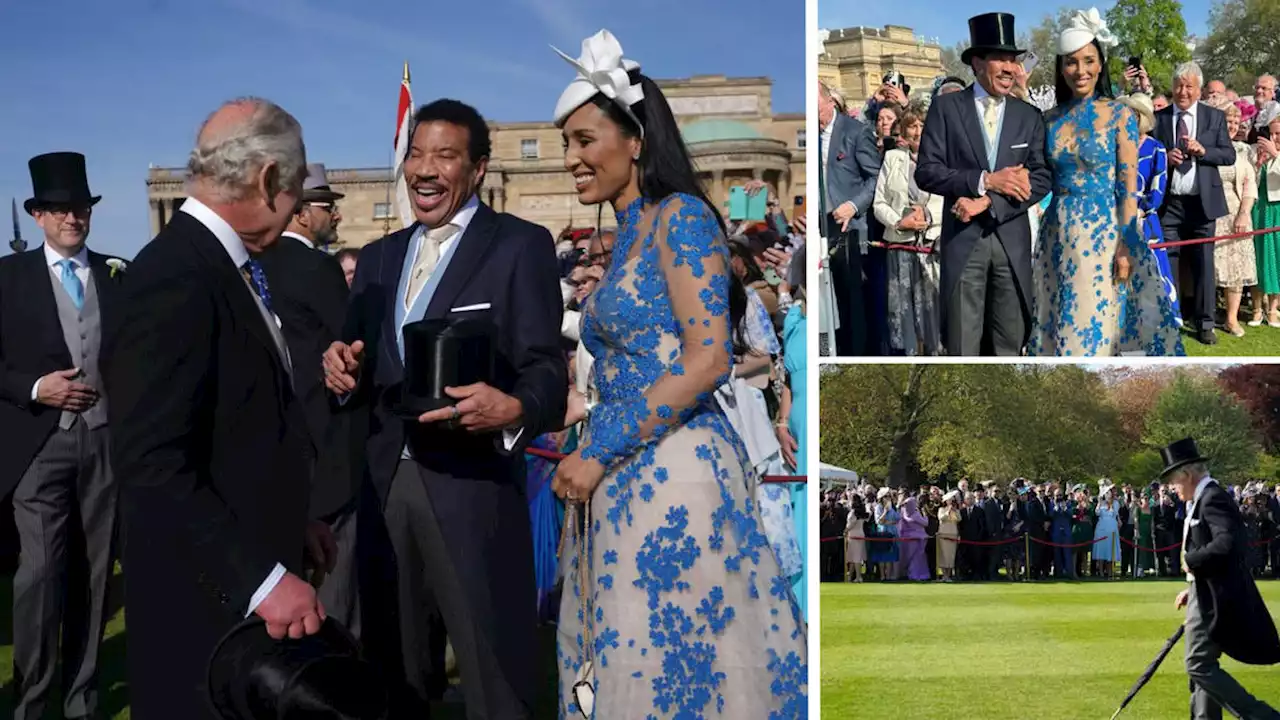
x=1242, y=223
x=577, y=408
x=576, y=478
x=1123, y=266
x=788, y=444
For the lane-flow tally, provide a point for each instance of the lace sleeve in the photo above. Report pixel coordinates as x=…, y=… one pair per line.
x=1127, y=178
x=695, y=266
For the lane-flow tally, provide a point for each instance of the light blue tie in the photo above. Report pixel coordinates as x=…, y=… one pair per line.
x=71, y=283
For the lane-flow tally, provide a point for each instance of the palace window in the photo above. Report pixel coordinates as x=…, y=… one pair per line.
x=800, y=138
x=381, y=211
x=529, y=149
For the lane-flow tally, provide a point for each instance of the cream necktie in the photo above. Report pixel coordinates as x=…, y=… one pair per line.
x=990, y=118
x=425, y=261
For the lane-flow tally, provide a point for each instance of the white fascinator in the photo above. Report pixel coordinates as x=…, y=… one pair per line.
x=1084, y=28
x=601, y=69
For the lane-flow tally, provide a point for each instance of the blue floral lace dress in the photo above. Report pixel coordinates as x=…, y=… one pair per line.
x=1079, y=310
x=692, y=617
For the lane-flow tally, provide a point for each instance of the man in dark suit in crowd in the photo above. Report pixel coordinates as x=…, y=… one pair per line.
x=451, y=485
x=1196, y=136
x=309, y=295
x=969, y=557
x=56, y=460
x=1036, y=519
x=1225, y=612
x=207, y=434
x=994, y=510
x=1165, y=524
x=983, y=150
x=850, y=165
x=1273, y=506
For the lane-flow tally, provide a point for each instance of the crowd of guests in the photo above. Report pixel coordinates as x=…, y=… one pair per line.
x=1071, y=531
x=882, y=301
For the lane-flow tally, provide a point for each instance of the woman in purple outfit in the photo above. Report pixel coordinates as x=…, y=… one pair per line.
x=913, y=533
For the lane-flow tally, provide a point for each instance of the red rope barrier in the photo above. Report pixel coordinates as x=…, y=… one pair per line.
x=1175, y=546
x=958, y=541
x=558, y=456
x=1104, y=538
x=1174, y=243
x=1136, y=546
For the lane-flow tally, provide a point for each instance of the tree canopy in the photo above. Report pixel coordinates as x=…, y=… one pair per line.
x=909, y=424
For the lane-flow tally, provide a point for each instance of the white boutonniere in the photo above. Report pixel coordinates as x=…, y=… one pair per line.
x=117, y=266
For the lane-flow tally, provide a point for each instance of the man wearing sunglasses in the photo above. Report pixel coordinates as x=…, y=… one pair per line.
x=53, y=418
x=309, y=293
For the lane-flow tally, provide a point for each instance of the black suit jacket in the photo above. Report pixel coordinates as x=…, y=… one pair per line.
x=32, y=346
x=1217, y=551
x=500, y=260
x=1211, y=132
x=952, y=158
x=309, y=294
x=211, y=448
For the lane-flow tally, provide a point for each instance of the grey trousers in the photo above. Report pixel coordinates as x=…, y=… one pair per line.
x=985, y=305
x=339, y=593
x=1212, y=689
x=65, y=511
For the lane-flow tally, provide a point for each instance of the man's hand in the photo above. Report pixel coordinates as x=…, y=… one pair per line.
x=291, y=609
x=1012, y=182
x=341, y=364
x=322, y=549
x=1194, y=148
x=480, y=408
x=845, y=214
x=1181, y=602
x=966, y=209
x=1176, y=157
x=59, y=390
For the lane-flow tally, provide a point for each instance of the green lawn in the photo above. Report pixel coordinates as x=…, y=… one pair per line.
x=1262, y=341
x=1009, y=651
x=114, y=689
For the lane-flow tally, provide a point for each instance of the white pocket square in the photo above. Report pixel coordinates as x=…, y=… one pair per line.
x=1195, y=522
x=469, y=308
x=1022, y=146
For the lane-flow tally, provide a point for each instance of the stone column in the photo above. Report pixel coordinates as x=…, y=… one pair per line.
x=757, y=173
x=156, y=225
x=719, y=195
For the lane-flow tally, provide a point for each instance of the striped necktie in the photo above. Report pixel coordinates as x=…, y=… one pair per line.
x=253, y=272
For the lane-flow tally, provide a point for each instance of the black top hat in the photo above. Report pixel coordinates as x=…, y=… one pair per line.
x=254, y=677
x=59, y=178
x=439, y=354
x=992, y=32
x=1178, y=454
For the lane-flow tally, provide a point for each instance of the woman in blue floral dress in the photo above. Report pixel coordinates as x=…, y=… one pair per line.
x=685, y=612
x=1098, y=289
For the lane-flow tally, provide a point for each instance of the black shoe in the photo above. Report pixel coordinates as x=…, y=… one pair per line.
x=1207, y=337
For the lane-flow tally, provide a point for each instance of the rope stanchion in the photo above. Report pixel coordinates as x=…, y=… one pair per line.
x=558, y=456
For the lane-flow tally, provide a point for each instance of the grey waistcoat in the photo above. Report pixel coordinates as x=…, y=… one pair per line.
x=82, y=331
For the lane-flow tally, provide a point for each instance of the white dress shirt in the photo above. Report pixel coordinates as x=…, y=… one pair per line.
x=1184, y=183
x=299, y=238
x=52, y=258
x=1191, y=506
x=239, y=255
x=979, y=94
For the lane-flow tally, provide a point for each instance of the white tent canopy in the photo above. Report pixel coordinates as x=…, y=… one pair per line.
x=833, y=475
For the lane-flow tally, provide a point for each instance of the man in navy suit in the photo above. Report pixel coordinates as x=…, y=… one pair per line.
x=455, y=520
x=1196, y=136
x=850, y=165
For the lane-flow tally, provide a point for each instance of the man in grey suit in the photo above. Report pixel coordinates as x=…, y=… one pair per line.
x=983, y=150
x=847, y=176
x=1196, y=136
x=53, y=416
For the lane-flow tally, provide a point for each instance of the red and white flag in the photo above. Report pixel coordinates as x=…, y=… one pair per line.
x=404, y=125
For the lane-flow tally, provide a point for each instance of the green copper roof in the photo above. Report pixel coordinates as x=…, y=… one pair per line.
x=718, y=130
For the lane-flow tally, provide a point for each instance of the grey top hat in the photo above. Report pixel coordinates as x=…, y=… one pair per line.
x=316, y=187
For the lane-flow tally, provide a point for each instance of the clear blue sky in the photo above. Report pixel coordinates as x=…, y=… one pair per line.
x=949, y=20
x=128, y=82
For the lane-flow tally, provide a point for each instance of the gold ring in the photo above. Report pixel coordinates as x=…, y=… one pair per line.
x=456, y=412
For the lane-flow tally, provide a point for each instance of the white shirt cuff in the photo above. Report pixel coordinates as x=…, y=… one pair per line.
x=982, y=184
x=277, y=574
x=35, y=390
x=511, y=437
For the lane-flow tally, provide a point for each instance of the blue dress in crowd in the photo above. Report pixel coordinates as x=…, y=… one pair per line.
x=794, y=357
x=1106, y=534
x=690, y=614
x=1153, y=181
